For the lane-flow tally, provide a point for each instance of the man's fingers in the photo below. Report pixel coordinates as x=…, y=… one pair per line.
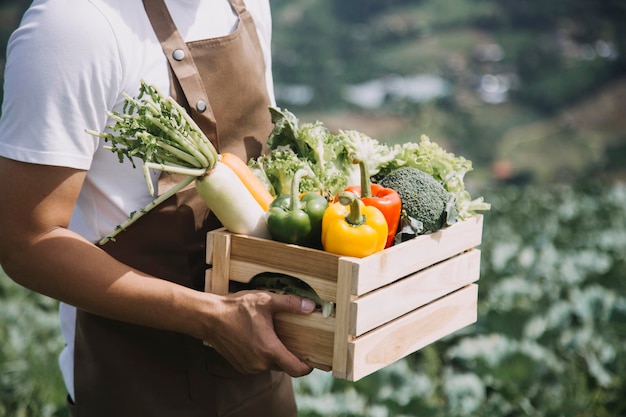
x=289, y=303
x=277, y=357
x=251, y=344
x=288, y=362
x=285, y=359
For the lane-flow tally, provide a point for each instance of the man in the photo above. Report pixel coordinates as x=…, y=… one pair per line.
x=133, y=311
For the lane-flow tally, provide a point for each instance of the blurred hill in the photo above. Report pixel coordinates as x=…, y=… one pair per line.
x=530, y=92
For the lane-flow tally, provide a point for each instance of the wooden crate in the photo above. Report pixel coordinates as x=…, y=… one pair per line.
x=387, y=305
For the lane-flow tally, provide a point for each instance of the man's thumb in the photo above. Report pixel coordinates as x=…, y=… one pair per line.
x=307, y=306
x=290, y=303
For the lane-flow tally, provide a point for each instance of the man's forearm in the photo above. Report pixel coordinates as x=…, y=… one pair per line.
x=64, y=266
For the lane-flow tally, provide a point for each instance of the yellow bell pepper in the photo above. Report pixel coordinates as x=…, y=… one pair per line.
x=350, y=228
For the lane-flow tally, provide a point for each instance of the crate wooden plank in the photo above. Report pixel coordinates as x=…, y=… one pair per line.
x=385, y=304
x=309, y=337
x=209, y=244
x=244, y=271
x=290, y=258
x=243, y=262
x=342, y=318
x=220, y=258
x=384, y=267
x=208, y=280
x=412, y=332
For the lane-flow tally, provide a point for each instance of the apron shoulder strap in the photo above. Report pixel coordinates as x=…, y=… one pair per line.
x=179, y=57
x=238, y=5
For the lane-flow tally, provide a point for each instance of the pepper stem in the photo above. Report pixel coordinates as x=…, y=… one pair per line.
x=295, y=204
x=354, y=216
x=366, y=189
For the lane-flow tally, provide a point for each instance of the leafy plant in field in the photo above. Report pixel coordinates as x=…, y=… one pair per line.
x=549, y=339
x=30, y=382
x=548, y=342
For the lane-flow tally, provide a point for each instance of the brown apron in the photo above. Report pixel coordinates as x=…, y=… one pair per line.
x=124, y=370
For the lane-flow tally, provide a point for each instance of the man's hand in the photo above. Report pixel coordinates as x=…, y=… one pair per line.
x=244, y=332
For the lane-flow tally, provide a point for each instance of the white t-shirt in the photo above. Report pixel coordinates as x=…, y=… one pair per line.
x=67, y=64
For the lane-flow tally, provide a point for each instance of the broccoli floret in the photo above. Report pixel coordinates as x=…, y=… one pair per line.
x=423, y=198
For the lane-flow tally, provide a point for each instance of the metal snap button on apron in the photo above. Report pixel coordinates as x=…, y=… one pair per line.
x=178, y=54
x=200, y=106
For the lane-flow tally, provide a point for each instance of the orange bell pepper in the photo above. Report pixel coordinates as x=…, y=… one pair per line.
x=387, y=200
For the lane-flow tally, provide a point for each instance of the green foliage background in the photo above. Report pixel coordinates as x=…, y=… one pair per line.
x=548, y=341
x=30, y=341
x=549, y=337
x=552, y=310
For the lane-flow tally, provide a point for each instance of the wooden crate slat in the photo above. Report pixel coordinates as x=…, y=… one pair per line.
x=315, y=344
x=345, y=276
x=244, y=271
x=400, y=260
x=412, y=332
x=208, y=281
x=209, y=245
x=314, y=320
x=220, y=255
x=387, y=303
x=286, y=257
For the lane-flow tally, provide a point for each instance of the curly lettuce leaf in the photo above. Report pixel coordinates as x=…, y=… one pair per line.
x=364, y=148
x=446, y=167
x=277, y=169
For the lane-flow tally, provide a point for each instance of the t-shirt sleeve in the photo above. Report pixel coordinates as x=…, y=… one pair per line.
x=61, y=75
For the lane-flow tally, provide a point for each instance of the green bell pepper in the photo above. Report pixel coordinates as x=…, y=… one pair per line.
x=292, y=218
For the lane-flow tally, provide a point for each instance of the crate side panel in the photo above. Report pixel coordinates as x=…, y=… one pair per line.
x=289, y=258
x=401, y=260
x=220, y=272
x=412, y=332
x=208, y=281
x=309, y=337
x=243, y=271
x=209, y=247
x=314, y=320
x=345, y=281
x=392, y=301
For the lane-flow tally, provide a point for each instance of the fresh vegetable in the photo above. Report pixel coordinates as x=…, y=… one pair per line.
x=258, y=190
x=328, y=156
x=351, y=228
x=313, y=143
x=278, y=168
x=287, y=284
x=445, y=167
x=159, y=131
x=423, y=198
x=297, y=219
x=231, y=202
x=387, y=200
x=375, y=154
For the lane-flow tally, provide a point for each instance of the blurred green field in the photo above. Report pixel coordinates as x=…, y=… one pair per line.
x=550, y=157
x=548, y=341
